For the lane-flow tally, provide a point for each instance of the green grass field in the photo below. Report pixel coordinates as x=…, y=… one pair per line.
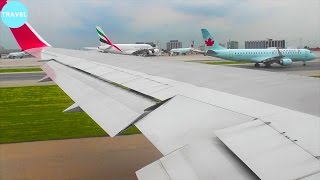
x=35, y=113
x=225, y=62
x=11, y=70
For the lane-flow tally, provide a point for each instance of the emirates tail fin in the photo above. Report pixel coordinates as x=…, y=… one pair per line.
x=104, y=40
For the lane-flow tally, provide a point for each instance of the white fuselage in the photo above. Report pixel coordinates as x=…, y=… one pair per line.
x=180, y=51
x=125, y=48
x=256, y=55
x=16, y=55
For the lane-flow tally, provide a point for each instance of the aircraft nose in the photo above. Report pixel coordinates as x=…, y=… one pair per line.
x=313, y=55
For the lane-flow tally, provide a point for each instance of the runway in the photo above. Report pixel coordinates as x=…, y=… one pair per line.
x=22, y=79
x=21, y=76
x=31, y=78
x=293, y=69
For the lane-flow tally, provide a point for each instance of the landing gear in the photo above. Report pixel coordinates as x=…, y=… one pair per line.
x=268, y=65
x=257, y=65
x=145, y=53
x=304, y=63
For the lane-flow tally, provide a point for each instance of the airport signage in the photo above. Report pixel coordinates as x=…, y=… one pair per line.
x=14, y=14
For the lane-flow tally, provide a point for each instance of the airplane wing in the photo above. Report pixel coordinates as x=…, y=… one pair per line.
x=202, y=133
x=270, y=59
x=92, y=48
x=145, y=52
x=130, y=52
x=262, y=59
x=208, y=122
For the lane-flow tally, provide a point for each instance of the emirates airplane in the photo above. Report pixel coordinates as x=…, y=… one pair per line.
x=107, y=46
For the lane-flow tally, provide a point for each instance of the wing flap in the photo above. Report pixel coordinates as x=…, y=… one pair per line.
x=154, y=171
x=186, y=123
x=99, y=70
x=119, y=77
x=313, y=177
x=139, y=82
x=112, y=108
x=209, y=159
x=268, y=153
x=303, y=128
x=85, y=65
x=181, y=121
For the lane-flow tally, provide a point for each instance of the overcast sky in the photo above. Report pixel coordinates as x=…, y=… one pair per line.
x=71, y=23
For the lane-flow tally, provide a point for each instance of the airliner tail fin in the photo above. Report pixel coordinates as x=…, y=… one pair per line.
x=209, y=40
x=27, y=38
x=104, y=40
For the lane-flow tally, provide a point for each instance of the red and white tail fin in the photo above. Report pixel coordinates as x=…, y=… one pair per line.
x=2, y=3
x=192, y=44
x=27, y=38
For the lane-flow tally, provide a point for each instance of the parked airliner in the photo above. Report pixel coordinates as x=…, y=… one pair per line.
x=15, y=55
x=284, y=57
x=107, y=46
x=182, y=51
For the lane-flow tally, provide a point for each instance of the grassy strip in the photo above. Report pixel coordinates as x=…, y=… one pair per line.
x=11, y=70
x=316, y=76
x=34, y=113
x=226, y=62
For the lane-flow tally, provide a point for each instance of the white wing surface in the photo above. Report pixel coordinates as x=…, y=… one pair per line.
x=198, y=128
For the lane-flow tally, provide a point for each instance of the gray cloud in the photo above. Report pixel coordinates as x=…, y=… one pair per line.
x=71, y=23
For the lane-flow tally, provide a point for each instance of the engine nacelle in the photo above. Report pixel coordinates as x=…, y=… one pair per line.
x=154, y=51
x=285, y=62
x=103, y=48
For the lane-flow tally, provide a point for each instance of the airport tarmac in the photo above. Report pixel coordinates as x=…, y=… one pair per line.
x=91, y=158
x=20, y=63
x=21, y=76
x=87, y=158
x=22, y=79
x=311, y=69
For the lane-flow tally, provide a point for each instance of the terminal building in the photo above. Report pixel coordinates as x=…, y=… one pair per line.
x=233, y=45
x=230, y=45
x=173, y=44
x=264, y=44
